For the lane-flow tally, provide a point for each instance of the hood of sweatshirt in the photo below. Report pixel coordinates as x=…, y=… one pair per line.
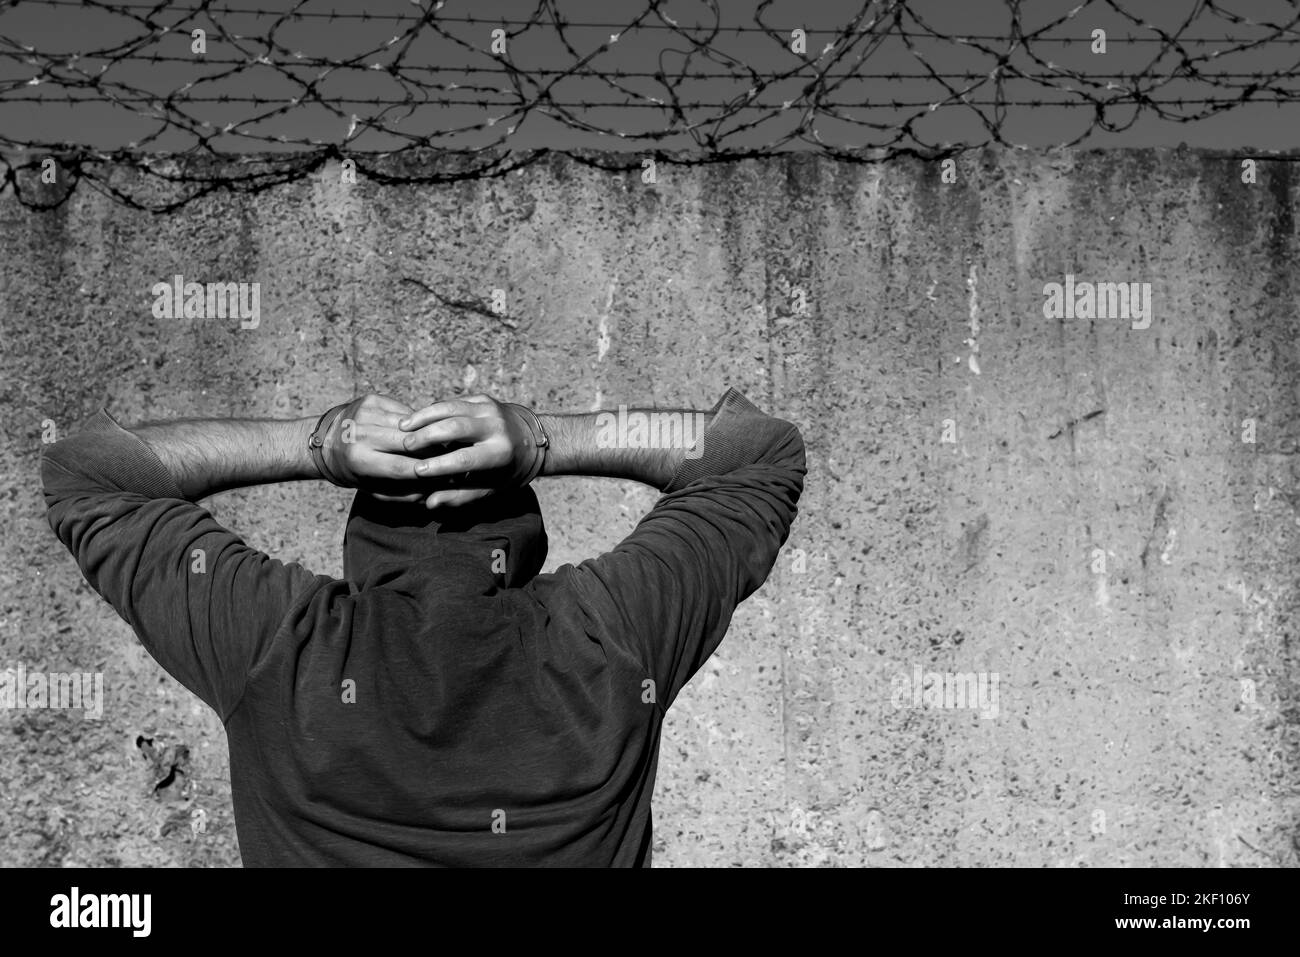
x=470, y=550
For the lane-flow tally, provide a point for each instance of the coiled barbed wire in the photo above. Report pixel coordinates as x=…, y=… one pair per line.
x=695, y=89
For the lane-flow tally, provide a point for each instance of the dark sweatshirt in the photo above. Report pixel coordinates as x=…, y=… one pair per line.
x=443, y=703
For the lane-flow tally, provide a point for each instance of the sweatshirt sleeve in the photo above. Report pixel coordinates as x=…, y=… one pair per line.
x=203, y=603
x=711, y=540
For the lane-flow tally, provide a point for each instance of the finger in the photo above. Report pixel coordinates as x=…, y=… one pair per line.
x=412, y=497
x=456, y=462
x=403, y=489
x=382, y=438
x=455, y=497
x=376, y=416
x=440, y=410
x=457, y=429
x=388, y=465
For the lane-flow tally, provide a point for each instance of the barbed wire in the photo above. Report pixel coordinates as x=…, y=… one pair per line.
x=433, y=95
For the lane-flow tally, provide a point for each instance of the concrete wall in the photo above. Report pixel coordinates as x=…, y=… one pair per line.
x=1147, y=698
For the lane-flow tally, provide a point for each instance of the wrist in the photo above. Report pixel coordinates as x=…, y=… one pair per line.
x=296, y=435
x=537, y=444
x=558, y=461
x=320, y=444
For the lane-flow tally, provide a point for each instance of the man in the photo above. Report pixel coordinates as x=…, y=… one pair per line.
x=442, y=703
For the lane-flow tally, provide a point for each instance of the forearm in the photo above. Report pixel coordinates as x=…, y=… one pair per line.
x=206, y=456
x=644, y=445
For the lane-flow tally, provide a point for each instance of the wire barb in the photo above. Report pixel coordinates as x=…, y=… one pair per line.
x=480, y=93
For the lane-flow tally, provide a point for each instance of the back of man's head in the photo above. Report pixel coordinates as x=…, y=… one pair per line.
x=494, y=542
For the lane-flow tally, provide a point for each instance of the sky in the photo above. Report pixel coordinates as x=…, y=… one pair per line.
x=311, y=64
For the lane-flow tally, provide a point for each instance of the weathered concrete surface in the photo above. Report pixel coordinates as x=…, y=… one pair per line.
x=1147, y=709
